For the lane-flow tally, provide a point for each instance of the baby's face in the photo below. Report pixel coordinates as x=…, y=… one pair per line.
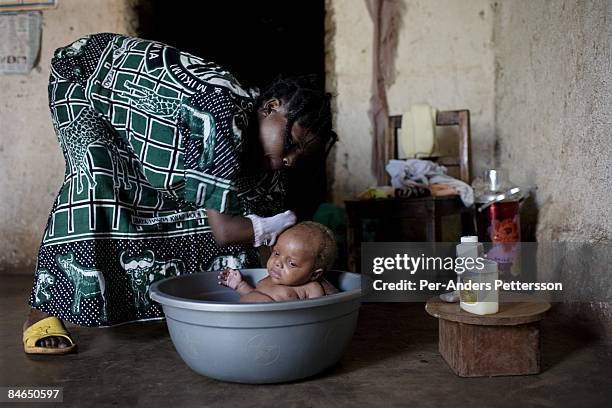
x=293, y=257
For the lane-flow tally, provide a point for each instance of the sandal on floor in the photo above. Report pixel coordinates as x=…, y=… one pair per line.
x=47, y=327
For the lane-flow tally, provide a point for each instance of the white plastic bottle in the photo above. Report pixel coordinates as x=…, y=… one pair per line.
x=470, y=247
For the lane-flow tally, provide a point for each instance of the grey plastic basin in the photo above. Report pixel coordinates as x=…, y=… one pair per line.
x=257, y=342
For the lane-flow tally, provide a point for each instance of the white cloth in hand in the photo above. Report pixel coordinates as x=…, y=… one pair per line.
x=267, y=230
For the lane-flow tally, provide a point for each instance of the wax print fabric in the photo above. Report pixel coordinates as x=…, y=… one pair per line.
x=152, y=136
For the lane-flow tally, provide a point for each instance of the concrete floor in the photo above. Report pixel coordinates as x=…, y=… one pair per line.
x=392, y=361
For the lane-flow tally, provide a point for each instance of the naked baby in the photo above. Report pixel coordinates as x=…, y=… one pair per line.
x=296, y=266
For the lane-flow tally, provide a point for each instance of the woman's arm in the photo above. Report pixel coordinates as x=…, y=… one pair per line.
x=230, y=229
x=235, y=229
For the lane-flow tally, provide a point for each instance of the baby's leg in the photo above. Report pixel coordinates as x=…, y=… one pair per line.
x=232, y=278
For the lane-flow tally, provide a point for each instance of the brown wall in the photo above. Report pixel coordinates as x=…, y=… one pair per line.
x=31, y=162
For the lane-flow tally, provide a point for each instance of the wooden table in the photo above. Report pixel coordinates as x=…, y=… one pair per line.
x=505, y=343
x=413, y=220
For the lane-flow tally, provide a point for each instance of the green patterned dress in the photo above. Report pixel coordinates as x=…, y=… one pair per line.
x=151, y=136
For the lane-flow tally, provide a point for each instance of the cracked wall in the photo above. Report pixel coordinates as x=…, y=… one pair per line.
x=554, y=116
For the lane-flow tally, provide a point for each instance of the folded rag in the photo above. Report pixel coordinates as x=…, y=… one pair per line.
x=421, y=173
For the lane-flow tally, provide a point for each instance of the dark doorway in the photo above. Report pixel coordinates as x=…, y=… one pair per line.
x=256, y=41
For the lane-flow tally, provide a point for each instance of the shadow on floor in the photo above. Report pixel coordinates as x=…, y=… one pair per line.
x=562, y=339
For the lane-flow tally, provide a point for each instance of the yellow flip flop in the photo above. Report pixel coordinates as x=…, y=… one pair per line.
x=47, y=327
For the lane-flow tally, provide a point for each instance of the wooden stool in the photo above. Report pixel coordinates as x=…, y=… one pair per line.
x=505, y=343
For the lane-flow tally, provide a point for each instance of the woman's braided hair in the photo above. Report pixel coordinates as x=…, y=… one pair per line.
x=306, y=103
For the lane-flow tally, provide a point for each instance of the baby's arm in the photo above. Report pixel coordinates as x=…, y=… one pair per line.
x=314, y=290
x=256, y=296
x=232, y=278
x=328, y=287
x=271, y=293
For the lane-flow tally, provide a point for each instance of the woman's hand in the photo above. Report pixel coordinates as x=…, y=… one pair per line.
x=235, y=229
x=267, y=230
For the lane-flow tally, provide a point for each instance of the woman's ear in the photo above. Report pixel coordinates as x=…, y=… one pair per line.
x=316, y=274
x=270, y=105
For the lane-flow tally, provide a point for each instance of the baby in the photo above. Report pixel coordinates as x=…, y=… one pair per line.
x=295, y=267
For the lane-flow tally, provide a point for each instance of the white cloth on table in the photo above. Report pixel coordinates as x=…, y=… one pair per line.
x=422, y=173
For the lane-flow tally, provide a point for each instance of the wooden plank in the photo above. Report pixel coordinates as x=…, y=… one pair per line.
x=447, y=118
x=394, y=208
x=395, y=122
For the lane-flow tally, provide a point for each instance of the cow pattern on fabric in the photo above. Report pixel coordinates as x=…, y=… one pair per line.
x=144, y=269
x=151, y=137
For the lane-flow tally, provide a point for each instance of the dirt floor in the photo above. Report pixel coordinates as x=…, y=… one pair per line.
x=393, y=360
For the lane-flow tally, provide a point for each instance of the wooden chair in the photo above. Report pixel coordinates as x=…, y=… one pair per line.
x=414, y=219
x=463, y=160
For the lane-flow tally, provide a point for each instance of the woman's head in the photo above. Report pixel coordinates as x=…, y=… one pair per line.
x=294, y=120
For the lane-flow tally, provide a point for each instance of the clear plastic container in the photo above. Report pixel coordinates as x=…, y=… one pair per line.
x=480, y=300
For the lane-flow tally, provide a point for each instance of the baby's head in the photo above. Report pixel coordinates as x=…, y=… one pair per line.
x=302, y=254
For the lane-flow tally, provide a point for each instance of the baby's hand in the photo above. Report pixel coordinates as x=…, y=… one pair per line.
x=230, y=278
